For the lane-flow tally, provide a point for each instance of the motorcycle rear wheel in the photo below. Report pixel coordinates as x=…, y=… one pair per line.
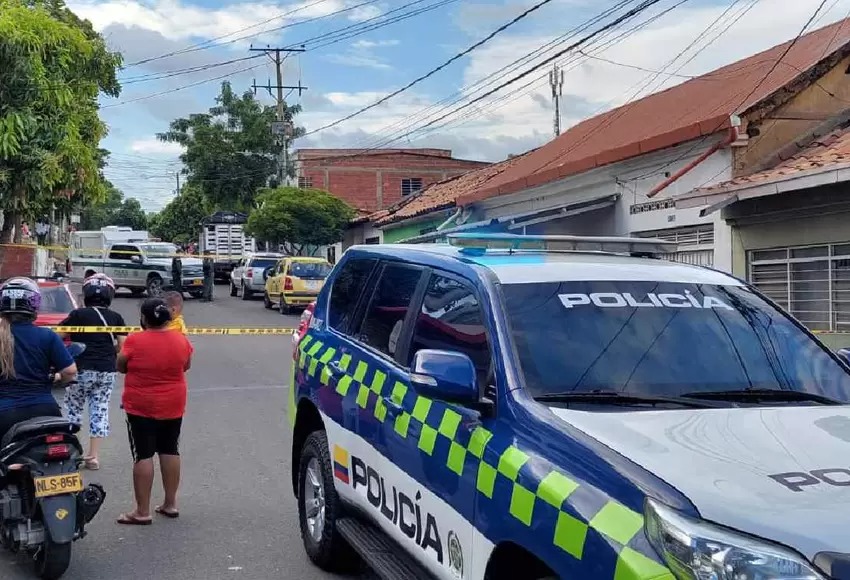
x=53, y=559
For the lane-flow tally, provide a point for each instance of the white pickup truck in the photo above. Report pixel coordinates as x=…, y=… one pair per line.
x=132, y=261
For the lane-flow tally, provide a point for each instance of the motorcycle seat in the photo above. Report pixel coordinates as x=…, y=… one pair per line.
x=37, y=426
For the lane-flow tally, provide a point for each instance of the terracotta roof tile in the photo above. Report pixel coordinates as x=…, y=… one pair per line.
x=831, y=149
x=695, y=108
x=442, y=195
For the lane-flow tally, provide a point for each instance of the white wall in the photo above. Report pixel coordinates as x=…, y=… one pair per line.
x=632, y=179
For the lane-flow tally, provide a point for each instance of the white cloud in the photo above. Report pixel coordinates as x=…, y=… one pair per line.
x=520, y=116
x=367, y=44
x=358, y=60
x=523, y=111
x=156, y=147
x=178, y=20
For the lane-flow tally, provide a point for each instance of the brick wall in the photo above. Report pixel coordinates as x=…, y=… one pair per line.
x=372, y=182
x=16, y=261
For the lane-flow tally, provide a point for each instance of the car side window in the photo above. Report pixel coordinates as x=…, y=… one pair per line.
x=382, y=323
x=121, y=252
x=346, y=290
x=451, y=319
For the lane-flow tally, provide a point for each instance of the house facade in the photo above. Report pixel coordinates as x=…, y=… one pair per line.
x=371, y=180
x=790, y=229
x=620, y=173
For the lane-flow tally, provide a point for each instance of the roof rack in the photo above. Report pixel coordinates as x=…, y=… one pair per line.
x=478, y=244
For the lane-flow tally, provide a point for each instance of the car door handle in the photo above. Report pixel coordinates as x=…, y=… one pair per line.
x=335, y=369
x=393, y=408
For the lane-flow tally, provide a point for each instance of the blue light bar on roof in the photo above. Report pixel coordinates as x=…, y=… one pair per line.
x=473, y=243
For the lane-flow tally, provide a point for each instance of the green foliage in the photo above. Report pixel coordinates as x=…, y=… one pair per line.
x=299, y=218
x=114, y=211
x=53, y=66
x=179, y=220
x=230, y=150
x=131, y=214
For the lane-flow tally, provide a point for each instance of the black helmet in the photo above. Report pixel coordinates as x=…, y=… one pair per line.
x=20, y=295
x=98, y=290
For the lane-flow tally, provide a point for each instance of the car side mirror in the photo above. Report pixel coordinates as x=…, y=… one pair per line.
x=844, y=355
x=136, y=259
x=446, y=375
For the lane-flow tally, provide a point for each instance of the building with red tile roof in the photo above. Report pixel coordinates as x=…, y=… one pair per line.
x=622, y=172
x=701, y=107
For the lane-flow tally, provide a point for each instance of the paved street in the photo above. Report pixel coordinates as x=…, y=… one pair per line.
x=238, y=517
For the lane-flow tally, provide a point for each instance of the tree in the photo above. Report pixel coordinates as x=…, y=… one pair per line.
x=97, y=215
x=230, y=150
x=131, y=214
x=179, y=221
x=53, y=66
x=299, y=218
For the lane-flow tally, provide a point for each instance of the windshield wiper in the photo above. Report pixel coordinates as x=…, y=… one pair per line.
x=755, y=395
x=615, y=398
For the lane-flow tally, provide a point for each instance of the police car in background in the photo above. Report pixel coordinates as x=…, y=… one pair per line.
x=535, y=407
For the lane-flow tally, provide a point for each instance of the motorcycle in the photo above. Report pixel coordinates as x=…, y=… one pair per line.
x=44, y=505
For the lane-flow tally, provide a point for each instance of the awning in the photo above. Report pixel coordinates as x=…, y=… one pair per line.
x=521, y=220
x=716, y=198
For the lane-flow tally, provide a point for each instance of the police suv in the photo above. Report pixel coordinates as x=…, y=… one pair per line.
x=554, y=406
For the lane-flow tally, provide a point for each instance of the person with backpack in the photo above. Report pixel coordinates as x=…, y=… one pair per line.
x=96, y=365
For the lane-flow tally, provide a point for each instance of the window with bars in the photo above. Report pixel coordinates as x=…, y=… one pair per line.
x=811, y=282
x=695, y=243
x=410, y=185
x=305, y=182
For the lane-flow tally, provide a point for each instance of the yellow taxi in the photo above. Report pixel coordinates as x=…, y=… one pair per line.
x=294, y=282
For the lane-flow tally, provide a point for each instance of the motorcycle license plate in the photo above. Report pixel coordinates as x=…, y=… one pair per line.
x=58, y=484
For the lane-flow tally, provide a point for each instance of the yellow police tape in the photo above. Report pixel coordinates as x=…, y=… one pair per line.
x=221, y=331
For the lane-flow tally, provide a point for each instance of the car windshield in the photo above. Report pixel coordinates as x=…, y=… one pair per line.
x=264, y=262
x=159, y=250
x=55, y=299
x=310, y=270
x=662, y=339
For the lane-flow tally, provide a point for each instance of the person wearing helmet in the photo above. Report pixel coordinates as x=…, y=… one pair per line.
x=28, y=355
x=96, y=380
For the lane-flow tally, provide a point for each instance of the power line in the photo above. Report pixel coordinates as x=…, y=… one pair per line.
x=618, y=113
x=184, y=71
x=744, y=101
x=628, y=15
x=489, y=80
x=434, y=71
x=574, y=61
x=374, y=26
x=180, y=88
x=210, y=43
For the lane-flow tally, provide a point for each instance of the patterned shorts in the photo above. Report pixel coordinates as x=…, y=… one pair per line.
x=93, y=389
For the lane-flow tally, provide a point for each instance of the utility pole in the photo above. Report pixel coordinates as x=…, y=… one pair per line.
x=283, y=127
x=177, y=175
x=556, y=81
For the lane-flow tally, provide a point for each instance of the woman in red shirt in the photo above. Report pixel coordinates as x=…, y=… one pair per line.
x=155, y=362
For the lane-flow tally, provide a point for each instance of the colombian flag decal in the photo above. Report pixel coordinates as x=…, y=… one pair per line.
x=341, y=464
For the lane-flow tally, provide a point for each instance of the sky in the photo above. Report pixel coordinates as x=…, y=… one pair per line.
x=177, y=53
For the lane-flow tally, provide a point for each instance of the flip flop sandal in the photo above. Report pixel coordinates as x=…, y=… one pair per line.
x=162, y=512
x=131, y=520
x=92, y=464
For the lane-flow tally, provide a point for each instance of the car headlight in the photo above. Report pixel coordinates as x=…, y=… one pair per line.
x=697, y=550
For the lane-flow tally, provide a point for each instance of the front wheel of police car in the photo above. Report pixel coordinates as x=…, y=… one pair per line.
x=319, y=508
x=698, y=549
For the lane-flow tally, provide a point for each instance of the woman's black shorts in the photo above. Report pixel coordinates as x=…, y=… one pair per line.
x=153, y=436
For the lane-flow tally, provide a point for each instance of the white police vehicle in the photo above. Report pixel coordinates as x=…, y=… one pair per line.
x=554, y=406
